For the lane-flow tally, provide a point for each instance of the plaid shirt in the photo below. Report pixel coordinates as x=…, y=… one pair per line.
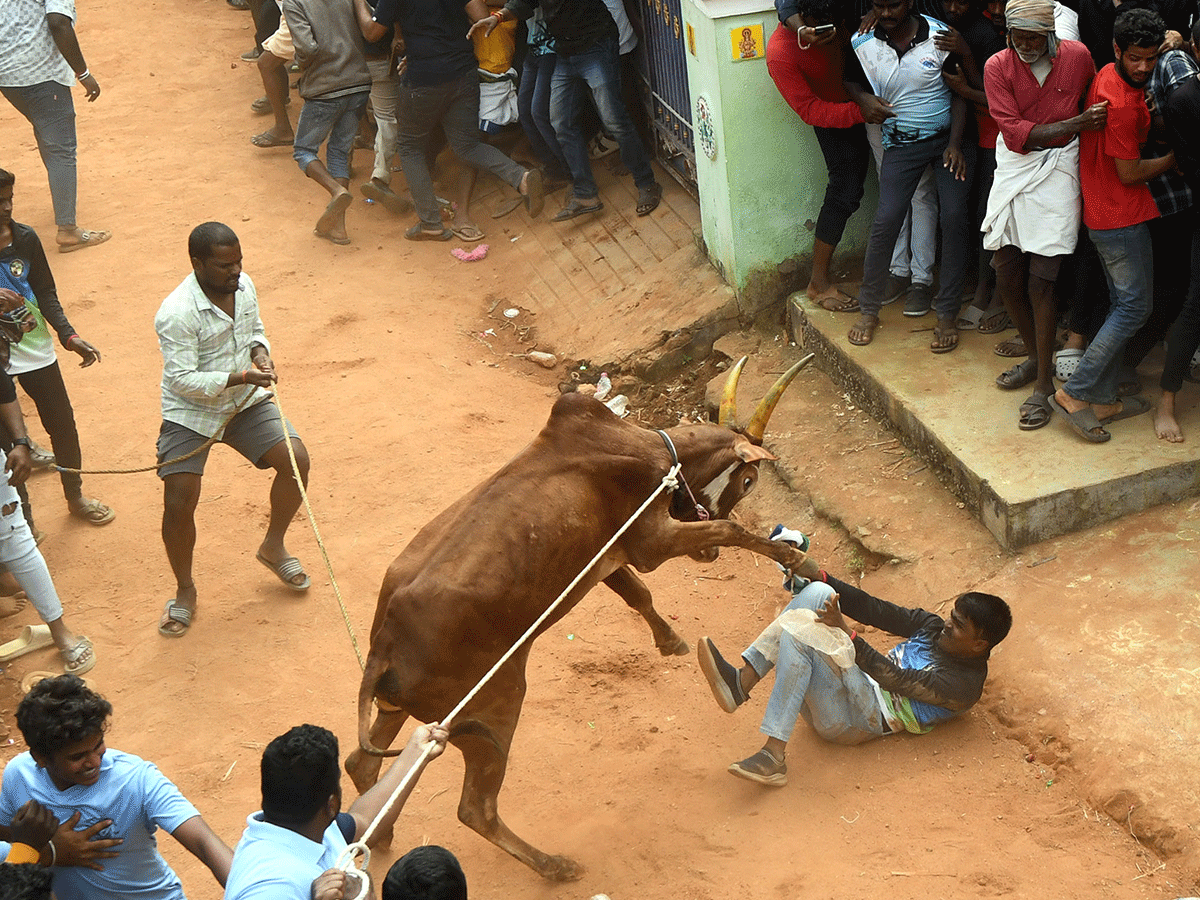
x=1170, y=191
x=201, y=346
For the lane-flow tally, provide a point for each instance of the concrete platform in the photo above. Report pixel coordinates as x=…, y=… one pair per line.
x=1024, y=487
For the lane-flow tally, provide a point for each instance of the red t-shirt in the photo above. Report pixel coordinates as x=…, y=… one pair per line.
x=1107, y=203
x=811, y=80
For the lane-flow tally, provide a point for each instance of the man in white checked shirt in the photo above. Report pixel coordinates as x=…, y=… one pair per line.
x=215, y=359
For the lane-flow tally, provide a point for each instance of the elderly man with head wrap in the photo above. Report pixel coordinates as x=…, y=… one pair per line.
x=1034, y=89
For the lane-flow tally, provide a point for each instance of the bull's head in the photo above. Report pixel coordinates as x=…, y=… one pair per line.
x=720, y=465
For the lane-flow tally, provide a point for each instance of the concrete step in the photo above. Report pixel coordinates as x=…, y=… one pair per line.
x=1024, y=486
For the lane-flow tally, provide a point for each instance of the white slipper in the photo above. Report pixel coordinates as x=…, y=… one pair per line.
x=1066, y=362
x=33, y=637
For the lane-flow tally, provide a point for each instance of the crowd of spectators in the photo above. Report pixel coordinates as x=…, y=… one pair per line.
x=1054, y=147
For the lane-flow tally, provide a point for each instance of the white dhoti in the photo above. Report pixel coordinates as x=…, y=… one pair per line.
x=1035, y=203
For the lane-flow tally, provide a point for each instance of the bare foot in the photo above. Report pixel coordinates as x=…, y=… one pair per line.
x=862, y=332
x=10, y=606
x=1165, y=425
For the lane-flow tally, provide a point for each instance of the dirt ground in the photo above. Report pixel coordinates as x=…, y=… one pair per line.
x=405, y=401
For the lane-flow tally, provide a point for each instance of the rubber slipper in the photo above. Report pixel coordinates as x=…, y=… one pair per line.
x=266, y=139
x=32, y=637
x=535, y=197
x=1130, y=407
x=94, y=512
x=79, y=659
x=1066, y=362
x=175, y=613
x=335, y=209
x=1013, y=348
x=86, y=239
x=385, y=197
x=944, y=332
x=968, y=320
x=996, y=322
x=868, y=328
x=648, y=199
x=504, y=207
x=576, y=207
x=1084, y=423
x=285, y=570
x=838, y=302
x=1020, y=375
x=32, y=678
x=1034, y=412
x=468, y=233
x=418, y=233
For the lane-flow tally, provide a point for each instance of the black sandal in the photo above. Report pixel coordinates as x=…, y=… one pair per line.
x=648, y=199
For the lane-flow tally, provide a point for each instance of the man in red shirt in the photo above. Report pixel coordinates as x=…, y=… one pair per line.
x=1116, y=207
x=1033, y=89
x=804, y=57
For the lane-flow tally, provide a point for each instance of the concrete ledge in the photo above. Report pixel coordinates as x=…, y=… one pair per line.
x=1023, y=486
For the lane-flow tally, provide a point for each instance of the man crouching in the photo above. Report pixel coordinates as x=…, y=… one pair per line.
x=846, y=690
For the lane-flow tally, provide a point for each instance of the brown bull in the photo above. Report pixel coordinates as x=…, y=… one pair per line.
x=476, y=577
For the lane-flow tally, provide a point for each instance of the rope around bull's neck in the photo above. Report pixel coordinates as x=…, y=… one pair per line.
x=345, y=861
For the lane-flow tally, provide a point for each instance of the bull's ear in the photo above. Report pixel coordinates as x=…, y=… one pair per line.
x=748, y=452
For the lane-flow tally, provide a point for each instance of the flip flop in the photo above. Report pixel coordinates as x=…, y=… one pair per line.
x=1013, y=348
x=1130, y=407
x=968, y=320
x=79, y=659
x=266, y=139
x=576, y=207
x=504, y=207
x=418, y=233
x=1023, y=373
x=385, y=197
x=176, y=613
x=285, y=570
x=943, y=332
x=1034, y=412
x=648, y=199
x=86, y=239
x=1083, y=422
x=334, y=209
x=32, y=637
x=32, y=678
x=997, y=321
x=836, y=301
x=535, y=198
x=869, y=335
x=468, y=233
x=94, y=512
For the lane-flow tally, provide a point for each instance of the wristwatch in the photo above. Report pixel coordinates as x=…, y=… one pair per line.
x=24, y=442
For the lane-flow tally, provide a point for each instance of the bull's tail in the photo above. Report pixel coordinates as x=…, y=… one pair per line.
x=366, y=694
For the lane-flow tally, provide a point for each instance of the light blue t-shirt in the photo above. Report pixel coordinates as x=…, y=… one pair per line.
x=274, y=863
x=136, y=796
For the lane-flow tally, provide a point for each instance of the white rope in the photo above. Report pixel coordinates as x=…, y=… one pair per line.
x=345, y=861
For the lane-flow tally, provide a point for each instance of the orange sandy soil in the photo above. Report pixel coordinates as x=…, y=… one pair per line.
x=404, y=403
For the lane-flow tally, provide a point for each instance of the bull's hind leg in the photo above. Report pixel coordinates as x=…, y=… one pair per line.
x=633, y=591
x=484, y=741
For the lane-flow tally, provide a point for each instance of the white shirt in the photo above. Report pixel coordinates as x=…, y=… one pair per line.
x=28, y=54
x=201, y=346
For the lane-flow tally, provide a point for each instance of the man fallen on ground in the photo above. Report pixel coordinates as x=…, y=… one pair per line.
x=1034, y=90
x=216, y=370
x=25, y=270
x=289, y=848
x=1117, y=205
x=937, y=671
x=69, y=769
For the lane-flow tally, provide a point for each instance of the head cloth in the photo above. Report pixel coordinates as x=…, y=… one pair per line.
x=1032, y=15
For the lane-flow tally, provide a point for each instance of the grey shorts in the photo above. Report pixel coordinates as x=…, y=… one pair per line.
x=252, y=432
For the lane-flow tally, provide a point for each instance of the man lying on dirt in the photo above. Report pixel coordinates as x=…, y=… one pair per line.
x=289, y=849
x=119, y=799
x=847, y=691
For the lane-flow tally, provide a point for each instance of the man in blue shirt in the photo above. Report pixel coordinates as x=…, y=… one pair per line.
x=69, y=769
x=846, y=690
x=895, y=76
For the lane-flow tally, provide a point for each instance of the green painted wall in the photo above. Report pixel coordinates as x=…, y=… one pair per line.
x=760, y=195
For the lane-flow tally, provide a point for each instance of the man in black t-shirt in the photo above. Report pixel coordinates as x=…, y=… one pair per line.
x=440, y=87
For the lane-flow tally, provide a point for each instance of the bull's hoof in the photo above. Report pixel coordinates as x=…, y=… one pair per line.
x=354, y=768
x=679, y=648
x=561, y=868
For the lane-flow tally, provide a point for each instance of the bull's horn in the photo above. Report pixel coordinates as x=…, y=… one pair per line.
x=766, y=406
x=728, y=413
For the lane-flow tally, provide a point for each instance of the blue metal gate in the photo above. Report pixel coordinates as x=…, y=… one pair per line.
x=664, y=88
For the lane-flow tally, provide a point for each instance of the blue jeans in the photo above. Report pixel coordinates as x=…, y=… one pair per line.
x=336, y=120
x=839, y=704
x=899, y=175
x=533, y=108
x=455, y=106
x=51, y=111
x=1127, y=256
x=598, y=69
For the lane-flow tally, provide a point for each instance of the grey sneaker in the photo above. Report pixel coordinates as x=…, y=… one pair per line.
x=763, y=768
x=920, y=300
x=896, y=287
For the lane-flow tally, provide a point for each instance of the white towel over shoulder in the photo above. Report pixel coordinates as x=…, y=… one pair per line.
x=1035, y=202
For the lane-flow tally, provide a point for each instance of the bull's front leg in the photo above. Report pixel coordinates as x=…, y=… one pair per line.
x=633, y=591
x=670, y=538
